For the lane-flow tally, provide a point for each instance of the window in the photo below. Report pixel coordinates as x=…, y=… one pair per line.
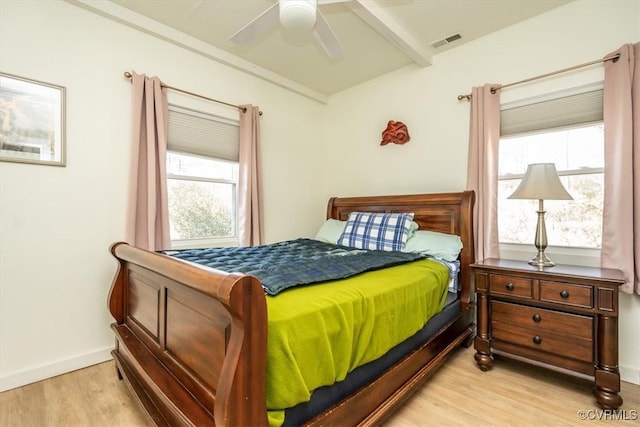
x=202, y=197
x=569, y=132
x=202, y=179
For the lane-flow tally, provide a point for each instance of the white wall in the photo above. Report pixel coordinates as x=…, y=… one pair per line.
x=426, y=100
x=56, y=224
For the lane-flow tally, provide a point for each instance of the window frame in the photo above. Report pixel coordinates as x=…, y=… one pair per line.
x=210, y=241
x=561, y=254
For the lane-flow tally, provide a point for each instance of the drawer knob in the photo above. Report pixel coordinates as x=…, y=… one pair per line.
x=564, y=294
x=537, y=318
x=509, y=286
x=537, y=340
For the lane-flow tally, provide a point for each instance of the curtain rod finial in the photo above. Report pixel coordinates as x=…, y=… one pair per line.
x=128, y=75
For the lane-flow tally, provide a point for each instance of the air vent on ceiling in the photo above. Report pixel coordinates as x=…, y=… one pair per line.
x=445, y=41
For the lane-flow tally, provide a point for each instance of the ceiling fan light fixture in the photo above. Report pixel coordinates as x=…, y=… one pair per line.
x=298, y=14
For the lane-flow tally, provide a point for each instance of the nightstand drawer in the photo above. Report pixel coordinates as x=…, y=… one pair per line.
x=541, y=319
x=511, y=286
x=560, y=344
x=568, y=294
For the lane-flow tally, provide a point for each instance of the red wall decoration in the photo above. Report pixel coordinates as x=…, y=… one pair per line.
x=395, y=133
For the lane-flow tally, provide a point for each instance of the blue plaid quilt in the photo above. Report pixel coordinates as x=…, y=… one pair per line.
x=283, y=265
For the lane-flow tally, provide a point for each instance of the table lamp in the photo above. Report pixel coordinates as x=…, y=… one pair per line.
x=541, y=182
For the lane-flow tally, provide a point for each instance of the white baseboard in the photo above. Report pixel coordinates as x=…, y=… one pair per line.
x=43, y=372
x=630, y=375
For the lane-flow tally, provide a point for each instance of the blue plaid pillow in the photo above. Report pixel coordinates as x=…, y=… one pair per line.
x=381, y=231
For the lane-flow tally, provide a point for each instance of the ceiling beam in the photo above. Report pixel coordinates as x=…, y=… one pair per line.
x=374, y=16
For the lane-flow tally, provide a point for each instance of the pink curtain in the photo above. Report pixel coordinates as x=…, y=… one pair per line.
x=621, y=218
x=148, y=216
x=482, y=173
x=250, y=222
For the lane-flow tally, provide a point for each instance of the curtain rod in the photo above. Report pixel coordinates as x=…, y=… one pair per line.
x=564, y=70
x=128, y=75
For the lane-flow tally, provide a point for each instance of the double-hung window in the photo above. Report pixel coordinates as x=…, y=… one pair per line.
x=565, y=129
x=202, y=179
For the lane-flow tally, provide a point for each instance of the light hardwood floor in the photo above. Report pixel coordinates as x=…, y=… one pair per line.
x=459, y=394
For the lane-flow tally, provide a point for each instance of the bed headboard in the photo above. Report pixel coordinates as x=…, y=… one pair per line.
x=443, y=212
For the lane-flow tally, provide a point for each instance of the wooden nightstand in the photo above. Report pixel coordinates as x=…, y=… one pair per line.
x=562, y=317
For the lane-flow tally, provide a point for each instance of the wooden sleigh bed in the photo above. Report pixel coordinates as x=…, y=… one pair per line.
x=191, y=341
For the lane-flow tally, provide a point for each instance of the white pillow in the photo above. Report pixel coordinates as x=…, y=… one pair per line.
x=438, y=245
x=413, y=227
x=330, y=231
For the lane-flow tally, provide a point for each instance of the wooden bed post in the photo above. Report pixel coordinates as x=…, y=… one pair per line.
x=242, y=388
x=116, y=302
x=467, y=256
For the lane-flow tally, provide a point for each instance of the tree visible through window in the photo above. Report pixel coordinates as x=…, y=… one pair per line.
x=202, y=197
x=578, y=153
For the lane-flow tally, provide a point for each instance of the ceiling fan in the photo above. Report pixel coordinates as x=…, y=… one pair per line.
x=297, y=15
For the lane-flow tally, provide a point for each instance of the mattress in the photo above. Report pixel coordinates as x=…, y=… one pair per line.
x=325, y=397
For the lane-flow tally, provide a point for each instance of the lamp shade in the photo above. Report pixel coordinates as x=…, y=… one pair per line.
x=298, y=14
x=541, y=182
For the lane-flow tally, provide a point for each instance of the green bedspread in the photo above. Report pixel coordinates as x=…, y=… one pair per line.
x=317, y=334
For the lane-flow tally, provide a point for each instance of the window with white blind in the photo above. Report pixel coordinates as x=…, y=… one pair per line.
x=202, y=178
x=566, y=129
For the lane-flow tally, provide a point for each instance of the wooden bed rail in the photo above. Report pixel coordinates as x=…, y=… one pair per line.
x=167, y=311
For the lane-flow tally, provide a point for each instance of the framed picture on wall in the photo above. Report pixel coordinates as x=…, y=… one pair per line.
x=32, y=115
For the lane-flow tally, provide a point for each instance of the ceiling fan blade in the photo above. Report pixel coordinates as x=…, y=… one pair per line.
x=321, y=2
x=259, y=25
x=327, y=38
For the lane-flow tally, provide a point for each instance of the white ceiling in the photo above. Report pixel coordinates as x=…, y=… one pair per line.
x=396, y=33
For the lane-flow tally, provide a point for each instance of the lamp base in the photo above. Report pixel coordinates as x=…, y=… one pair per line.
x=541, y=260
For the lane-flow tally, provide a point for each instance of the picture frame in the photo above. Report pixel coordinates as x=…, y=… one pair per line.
x=32, y=121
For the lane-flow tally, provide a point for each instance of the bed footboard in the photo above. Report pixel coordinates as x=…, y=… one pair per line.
x=190, y=341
